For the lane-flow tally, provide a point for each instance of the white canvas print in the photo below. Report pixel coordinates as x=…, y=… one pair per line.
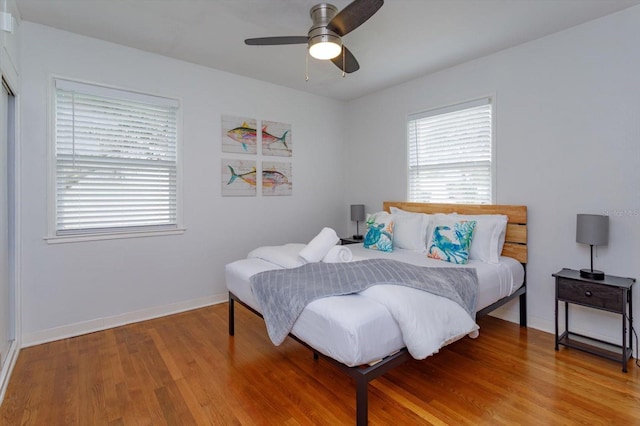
x=239, y=178
x=239, y=135
x=276, y=139
x=276, y=178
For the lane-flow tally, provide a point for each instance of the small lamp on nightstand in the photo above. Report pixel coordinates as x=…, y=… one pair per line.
x=592, y=229
x=357, y=215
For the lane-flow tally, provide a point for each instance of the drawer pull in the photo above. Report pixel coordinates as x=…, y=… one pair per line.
x=588, y=293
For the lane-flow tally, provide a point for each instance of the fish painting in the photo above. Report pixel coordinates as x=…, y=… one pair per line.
x=239, y=178
x=269, y=139
x=276, y=178
x=249, y=177
x=270, y=178
x=273, y=178
x=276, y=139
x=246, y=135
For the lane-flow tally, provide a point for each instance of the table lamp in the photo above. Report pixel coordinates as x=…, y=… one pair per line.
x=357, y=215
x=592, y=229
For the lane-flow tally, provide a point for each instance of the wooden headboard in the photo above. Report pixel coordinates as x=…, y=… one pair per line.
x=515, y=245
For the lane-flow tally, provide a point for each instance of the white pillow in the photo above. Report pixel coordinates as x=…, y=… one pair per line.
x=488, y=237
x=407, y=232
x=400, y=214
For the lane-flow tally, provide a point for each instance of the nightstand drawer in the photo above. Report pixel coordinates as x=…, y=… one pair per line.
x=590, y=294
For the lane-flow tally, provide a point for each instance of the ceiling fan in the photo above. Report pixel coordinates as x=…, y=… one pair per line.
x=324, y=39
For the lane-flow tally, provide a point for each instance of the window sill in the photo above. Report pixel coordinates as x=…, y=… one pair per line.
x=57, y=239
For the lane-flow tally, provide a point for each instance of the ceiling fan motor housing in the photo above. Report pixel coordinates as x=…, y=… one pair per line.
x=322, y=14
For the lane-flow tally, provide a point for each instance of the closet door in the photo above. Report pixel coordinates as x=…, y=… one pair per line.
x=6, y=292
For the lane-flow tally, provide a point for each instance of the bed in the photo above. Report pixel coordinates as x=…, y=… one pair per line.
x=365, y=340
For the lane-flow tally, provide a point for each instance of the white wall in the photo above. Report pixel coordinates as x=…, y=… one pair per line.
x=72, y=288
x=568, y=141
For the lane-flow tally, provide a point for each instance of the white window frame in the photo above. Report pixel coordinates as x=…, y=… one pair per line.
x=484, y=100
x=53, y=237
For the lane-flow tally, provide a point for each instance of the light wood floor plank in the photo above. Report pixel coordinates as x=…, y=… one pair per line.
x=185, y=369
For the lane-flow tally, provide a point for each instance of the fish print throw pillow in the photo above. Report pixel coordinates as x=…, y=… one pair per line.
x=379, y=232
x=451, y=241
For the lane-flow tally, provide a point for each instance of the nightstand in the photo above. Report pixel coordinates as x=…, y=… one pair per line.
x=613, y=294
x=349, y=240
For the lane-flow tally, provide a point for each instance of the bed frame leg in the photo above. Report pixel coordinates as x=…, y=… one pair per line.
x=523, y=309
x=362, y=403
x=231, y=316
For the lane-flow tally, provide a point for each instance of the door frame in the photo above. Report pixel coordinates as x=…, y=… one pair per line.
x=13, y=164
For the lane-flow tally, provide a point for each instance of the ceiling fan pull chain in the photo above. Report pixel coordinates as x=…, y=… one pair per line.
x=306, y=66
x=344, y=74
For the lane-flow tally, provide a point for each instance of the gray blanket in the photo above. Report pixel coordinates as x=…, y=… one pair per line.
x=283, y=293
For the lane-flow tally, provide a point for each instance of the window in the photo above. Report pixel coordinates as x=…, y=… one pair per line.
x=450, y=154
x=116, y=161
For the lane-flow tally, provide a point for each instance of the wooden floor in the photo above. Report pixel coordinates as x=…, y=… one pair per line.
x=186, y=370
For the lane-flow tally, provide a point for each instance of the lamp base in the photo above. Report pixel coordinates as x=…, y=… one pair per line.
x=358, y=237
x=592, y=274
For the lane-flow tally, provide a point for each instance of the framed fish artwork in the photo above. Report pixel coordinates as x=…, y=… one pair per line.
x=239, y=178
x=276, y=139
x=276, y=178
x=239, y=135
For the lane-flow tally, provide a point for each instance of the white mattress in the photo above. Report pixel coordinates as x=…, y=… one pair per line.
x=355, y=329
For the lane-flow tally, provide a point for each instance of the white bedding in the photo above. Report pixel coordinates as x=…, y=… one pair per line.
x=357, y=329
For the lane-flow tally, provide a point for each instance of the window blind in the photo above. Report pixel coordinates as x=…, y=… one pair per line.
x=450, y=154
x=115, y=160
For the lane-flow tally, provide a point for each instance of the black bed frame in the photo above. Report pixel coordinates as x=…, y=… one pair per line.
x=366, y=373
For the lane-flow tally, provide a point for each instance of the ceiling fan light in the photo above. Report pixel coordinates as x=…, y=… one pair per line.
x=325, y=50
x=325, y=46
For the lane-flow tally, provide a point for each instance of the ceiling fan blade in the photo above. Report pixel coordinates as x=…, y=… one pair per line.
x=272, y=41
x=354, y=15
x=349, y=61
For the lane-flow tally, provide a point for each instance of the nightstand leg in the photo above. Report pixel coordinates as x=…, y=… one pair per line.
x=630, y=298
x=557, y=325
x=624, y=344
x=625, y=353
x=566, y=318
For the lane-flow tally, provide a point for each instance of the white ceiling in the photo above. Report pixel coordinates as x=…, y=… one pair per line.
x=404, y=40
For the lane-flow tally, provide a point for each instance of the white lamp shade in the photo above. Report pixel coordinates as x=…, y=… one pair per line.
x=592, y=229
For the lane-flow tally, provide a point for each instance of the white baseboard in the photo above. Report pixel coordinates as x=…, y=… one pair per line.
x=99, y=324
x=7, y=368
